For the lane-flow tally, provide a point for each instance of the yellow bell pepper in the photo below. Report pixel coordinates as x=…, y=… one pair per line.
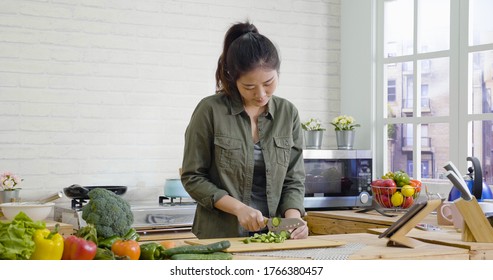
x=48, y=244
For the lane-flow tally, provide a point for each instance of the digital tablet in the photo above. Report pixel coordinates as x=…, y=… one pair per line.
x=415, y=209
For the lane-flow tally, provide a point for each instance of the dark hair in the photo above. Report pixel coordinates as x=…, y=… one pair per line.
x=244, y=50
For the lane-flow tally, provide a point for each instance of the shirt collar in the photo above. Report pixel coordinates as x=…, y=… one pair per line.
x=237, y=105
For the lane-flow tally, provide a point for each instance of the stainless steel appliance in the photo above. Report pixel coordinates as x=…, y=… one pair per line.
x=162, y=215
x=337, y=178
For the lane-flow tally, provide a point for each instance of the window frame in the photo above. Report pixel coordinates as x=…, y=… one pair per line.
x=416, y=119
x=459, y=118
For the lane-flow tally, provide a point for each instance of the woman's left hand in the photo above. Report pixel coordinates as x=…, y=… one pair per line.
x=300, y=232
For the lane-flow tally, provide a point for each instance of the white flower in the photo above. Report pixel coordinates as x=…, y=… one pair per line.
x=344, y=122
x=312, y=124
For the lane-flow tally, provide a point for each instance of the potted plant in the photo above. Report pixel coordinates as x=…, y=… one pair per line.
x=9, y=190
x=344, y=126
x=313, y=133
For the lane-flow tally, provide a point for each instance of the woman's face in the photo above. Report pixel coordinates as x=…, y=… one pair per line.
x=257, y=86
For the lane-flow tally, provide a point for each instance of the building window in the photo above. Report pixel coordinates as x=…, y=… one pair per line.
x=391, y=91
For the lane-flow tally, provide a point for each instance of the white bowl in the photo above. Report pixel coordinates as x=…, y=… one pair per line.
x=34, y=211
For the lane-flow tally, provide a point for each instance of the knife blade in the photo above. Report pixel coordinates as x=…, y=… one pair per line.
x=277, y=224
x=460, y=185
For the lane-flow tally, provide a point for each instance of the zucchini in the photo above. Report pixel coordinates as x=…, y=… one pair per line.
x=209, y=256
x=197, y=249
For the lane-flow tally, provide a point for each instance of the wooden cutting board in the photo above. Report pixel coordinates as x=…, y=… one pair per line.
x=237, y=244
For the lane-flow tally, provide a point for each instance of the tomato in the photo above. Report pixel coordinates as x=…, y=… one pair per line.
x=126, y=248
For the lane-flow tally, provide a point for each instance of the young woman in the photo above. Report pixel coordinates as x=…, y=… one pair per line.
x=243, y=157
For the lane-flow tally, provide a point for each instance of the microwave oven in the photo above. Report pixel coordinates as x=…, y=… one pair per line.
x=337, y=178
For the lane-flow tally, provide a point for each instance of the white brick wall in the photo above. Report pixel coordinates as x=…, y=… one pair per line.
x=100, y=92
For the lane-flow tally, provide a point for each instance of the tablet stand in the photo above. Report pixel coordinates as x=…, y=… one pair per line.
x=399, y=238
x=476, y=226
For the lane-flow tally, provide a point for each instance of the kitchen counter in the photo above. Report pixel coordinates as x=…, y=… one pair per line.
x=449, y=236
x=350, y=221
x=168, y=235
x=356, y=246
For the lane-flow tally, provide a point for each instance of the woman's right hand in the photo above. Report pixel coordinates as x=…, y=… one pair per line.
x=250, y=218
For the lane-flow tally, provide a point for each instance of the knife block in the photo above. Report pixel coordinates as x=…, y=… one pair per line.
x=399, y=238
x=476, y=226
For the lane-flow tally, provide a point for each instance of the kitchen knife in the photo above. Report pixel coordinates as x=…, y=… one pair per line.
x=276, y=224
x=460, y=184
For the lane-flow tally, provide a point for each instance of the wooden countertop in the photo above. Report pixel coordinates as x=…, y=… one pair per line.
x=351, y=221
x=356, y=246
x=367, y=217
x=447, y=235
x=375, y=249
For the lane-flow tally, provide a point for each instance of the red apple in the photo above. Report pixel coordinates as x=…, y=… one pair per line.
x=408, y=201
x=383, y=200
x=390, y=185
x=377, y=182
x=376, y=185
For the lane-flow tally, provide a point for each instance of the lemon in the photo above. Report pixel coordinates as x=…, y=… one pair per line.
x=407, y=190
x=397, y=199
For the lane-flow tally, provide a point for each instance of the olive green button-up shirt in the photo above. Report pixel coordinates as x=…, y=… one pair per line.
x=219, y=160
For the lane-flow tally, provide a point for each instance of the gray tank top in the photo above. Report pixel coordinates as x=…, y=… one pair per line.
x=259, y=196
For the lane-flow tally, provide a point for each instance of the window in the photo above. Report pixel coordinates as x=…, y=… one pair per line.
x=391, y=91
x=436, y=60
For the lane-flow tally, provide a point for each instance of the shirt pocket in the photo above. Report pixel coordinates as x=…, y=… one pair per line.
x=283, y=149
x=228, y=151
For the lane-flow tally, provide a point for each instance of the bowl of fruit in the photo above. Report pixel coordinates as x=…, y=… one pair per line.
x=395, y=190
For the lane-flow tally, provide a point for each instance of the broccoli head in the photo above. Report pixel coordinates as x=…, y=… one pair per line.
x=109, y=213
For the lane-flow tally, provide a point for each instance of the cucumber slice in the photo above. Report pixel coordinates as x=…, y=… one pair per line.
x=276, y=221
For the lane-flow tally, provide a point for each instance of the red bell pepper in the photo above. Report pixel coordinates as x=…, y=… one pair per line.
x=76, y=248
x=416, y=183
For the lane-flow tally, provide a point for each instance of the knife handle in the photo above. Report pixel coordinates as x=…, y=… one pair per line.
x=460, y=185
x=449, y=166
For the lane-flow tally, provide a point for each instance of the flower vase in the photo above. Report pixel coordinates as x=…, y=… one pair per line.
x=12, y=195
x=313, y=139
x=345, y=139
